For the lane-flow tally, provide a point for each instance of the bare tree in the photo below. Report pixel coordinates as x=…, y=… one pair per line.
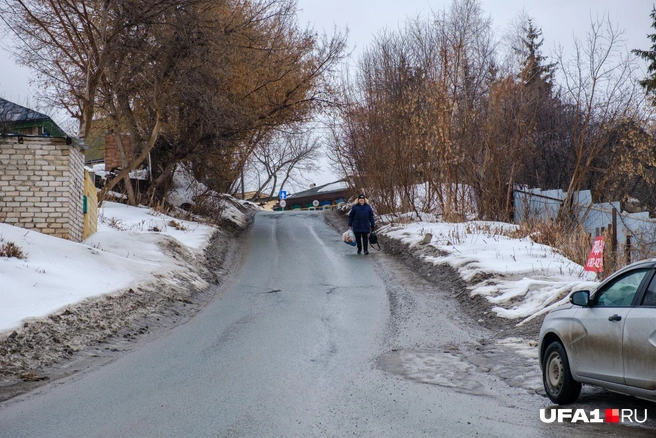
x=69, y=44
x=256, y=71
x=515, y=115
x=411, y=112
x=282, y=156
x=194, y=78
x=600, y=87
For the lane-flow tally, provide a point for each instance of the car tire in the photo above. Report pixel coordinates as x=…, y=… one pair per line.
x=557, y=377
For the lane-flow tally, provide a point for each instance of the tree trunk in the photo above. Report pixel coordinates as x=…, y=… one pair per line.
x=125, y=164
x=125, y=172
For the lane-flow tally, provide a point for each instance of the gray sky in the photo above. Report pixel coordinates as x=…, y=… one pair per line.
x=560, y=20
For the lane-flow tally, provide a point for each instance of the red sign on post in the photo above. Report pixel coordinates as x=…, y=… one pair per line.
x=595, y=261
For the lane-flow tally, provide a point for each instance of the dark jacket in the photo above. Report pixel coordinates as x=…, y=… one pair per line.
x=361, y=218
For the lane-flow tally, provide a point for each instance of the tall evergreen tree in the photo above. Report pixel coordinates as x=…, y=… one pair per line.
x=649, y=83
x=541, y=110
x=535, y=69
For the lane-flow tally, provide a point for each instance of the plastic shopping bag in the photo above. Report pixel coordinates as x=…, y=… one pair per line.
x=349, y=238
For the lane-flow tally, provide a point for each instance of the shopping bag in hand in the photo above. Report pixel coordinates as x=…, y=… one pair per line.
x=349, y=238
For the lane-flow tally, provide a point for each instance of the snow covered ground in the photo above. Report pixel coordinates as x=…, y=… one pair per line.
x=520, y=278
x=56, y=272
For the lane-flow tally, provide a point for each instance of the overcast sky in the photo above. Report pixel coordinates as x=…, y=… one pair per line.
x=560, y=20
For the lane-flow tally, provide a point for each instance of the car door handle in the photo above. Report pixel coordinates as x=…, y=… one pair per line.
x=615, y=317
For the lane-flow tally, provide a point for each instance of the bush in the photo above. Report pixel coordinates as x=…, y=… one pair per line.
x=575, y=244
x=570, y=241
x=10, y=249
x=177, y=225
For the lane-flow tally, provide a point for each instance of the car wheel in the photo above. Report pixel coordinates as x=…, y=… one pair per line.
x=559, y=384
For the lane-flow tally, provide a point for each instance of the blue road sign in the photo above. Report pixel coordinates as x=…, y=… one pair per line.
x=282, y=194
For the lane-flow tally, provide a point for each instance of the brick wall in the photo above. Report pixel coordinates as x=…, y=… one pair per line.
x=41, y=186
x=113, y=155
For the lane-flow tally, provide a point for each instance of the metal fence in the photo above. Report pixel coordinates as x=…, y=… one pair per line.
x=543, y=205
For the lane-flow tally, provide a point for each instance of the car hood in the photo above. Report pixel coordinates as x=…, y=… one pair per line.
x=562, y=307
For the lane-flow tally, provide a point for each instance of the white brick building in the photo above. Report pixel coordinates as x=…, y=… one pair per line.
x=42, y=185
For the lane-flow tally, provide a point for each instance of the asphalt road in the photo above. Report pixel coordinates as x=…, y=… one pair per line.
x=307, y=340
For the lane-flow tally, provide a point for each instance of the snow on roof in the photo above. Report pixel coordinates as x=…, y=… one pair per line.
x=334, y=187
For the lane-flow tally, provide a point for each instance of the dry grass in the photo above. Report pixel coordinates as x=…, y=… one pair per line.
x=454, y=217
x=575, y=244
x=571, y=242
x=209, y=205
x=177, y=225
x=10, y=249
x=162, y=207
x=113, y=222
x=491, y=231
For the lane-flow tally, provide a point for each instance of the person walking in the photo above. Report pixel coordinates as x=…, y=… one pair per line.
x=361, y=221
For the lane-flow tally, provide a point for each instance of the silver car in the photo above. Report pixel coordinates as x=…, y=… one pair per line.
x=605, y=338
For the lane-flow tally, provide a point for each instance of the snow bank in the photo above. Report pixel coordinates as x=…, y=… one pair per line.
x=57, y=272
x=520, y=278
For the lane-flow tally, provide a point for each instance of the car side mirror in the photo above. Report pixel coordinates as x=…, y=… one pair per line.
x=580, y=298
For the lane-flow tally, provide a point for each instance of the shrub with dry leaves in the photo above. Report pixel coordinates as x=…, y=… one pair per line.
x=10, y=249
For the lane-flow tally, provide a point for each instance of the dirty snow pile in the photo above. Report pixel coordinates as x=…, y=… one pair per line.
x=520, y=278
x=187, y=190
x=126, y=250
